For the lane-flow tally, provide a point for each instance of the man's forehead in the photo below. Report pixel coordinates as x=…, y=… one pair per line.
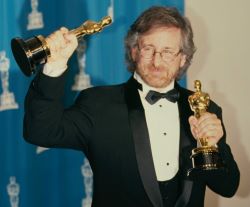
x=157, y=28
x=161, y=35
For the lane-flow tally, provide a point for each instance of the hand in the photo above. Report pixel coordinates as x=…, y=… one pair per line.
x=207, y=126
x=62, y=44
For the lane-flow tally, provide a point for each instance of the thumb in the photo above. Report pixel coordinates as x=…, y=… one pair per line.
x=193, y=124
x=193, y=121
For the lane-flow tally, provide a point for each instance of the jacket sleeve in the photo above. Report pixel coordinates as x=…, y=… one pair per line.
x=47, y=123
x=226, y=181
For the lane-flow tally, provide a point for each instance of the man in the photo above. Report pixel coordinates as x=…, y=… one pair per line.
x=139, y=148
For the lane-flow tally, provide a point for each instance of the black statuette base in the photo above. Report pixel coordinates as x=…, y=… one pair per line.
x=205, y=159
x=30, y=53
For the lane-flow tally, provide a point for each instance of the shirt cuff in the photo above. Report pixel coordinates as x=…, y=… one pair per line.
x=49, y=87
x=54, y=69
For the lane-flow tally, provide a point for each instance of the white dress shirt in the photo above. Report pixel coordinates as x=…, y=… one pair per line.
x=164, y=131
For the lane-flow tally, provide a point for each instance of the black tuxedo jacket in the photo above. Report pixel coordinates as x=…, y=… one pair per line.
x=108, y=124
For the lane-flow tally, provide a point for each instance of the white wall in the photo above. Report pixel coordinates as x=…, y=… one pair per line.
x=222, y=32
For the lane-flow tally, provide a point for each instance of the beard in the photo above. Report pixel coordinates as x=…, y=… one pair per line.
x=157, y=77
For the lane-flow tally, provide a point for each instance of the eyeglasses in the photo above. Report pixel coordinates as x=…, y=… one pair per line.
x=148, y=52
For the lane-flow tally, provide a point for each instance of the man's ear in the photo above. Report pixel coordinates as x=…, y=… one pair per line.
x=183, y=60
x=134, y=51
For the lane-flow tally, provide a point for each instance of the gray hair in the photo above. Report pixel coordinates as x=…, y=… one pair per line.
x=158, y=16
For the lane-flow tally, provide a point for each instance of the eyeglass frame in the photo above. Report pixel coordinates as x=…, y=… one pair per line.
x=174, y=55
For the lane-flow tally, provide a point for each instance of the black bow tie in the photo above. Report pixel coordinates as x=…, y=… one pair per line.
x=154, y=96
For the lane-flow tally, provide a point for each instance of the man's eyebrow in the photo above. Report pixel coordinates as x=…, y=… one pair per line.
x=150, y=44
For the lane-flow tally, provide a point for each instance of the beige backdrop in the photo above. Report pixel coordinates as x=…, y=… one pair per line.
x=222, y=32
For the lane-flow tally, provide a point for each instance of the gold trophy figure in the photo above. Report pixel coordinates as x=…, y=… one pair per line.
x=204, y=157
x=35, y=51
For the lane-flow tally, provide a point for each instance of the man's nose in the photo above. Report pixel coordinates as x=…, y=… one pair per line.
x=157, y=59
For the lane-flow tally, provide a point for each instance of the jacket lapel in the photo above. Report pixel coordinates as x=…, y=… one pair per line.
x=186, y=146
x=142, y=143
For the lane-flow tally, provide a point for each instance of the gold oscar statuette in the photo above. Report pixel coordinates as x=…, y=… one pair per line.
x=35, y=51
x=204, y=157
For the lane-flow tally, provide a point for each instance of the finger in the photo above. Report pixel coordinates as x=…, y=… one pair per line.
x=211, y=131
x=210, y=124
x=71, y=39
x=194, y=132
x=68, y=36
x=56, y=40
x=64, y=30
x=206, y=116
x=208, y=132
x=208, y=120
x=193, y=121
x=193, y=125
x=60, y=40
